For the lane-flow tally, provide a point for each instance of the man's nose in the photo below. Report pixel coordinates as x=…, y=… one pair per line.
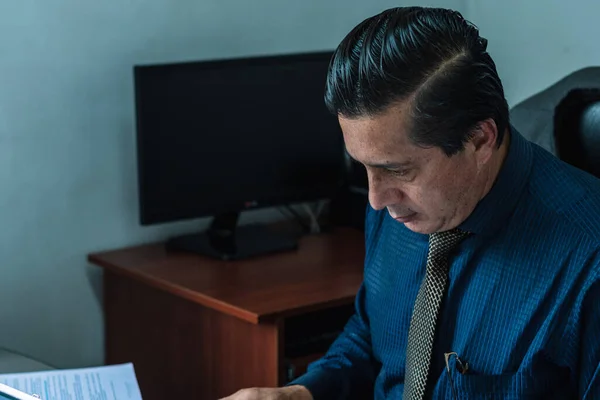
x=380, y=195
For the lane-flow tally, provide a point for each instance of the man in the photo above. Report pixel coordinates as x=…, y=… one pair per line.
x=482, y=269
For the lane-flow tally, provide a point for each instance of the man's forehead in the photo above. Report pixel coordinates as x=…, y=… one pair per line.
x=390, y=125
x=372, y=141
x=361, y=135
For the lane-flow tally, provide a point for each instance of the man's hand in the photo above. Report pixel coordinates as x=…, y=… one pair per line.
x=295, y=392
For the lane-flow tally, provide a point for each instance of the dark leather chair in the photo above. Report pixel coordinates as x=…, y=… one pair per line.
x=577, y=129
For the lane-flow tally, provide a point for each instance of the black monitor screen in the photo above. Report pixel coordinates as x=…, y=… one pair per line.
x=230, y=135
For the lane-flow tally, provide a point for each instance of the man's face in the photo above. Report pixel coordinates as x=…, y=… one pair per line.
x=420, y=187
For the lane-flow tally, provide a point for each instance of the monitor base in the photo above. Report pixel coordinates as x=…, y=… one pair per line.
x=226, y=241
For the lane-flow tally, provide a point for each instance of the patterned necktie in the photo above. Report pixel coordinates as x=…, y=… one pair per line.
x=421, y=333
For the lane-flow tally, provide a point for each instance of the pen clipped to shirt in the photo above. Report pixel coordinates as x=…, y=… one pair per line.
x=461, y=367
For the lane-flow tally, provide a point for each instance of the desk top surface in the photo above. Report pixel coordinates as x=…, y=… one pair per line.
x=326, y=270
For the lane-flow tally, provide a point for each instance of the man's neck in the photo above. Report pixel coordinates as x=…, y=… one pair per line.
x=497, y=163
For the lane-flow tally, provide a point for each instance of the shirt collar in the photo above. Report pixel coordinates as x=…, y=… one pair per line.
x=494, y=209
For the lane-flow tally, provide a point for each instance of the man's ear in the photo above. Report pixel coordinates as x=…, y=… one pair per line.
x=485, y=135
x=484, y=141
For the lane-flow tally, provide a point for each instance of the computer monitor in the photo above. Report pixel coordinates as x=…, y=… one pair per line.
x=216, y=138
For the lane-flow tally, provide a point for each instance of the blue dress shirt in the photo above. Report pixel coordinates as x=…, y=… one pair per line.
x=522, y=306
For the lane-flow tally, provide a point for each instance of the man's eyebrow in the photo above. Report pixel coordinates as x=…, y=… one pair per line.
x=385, y=165
x=391, y=165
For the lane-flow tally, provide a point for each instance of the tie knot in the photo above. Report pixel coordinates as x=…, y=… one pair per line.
x=442, y=243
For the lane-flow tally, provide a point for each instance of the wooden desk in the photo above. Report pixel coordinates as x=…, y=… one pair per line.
x=197, y=328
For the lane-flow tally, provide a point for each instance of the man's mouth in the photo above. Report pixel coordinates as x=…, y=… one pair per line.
x=405, y=218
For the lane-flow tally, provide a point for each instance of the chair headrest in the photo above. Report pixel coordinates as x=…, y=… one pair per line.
x=577, y=129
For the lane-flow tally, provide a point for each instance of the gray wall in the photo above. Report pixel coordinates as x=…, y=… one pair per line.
x=536, y=43
x=67, y=166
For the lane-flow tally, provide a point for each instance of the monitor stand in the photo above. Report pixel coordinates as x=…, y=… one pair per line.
x=227, y=241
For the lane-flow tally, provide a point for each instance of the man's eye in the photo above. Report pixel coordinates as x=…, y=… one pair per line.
x=399, y=172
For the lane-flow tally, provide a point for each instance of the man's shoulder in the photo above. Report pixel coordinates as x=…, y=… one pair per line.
x=374, y=224
x=565, y=193
x=380, y=226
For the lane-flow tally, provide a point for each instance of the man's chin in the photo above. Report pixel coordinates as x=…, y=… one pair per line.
x=418, y=226
x=425, y=228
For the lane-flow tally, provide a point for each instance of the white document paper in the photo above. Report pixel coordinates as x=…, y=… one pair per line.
x=113, y=382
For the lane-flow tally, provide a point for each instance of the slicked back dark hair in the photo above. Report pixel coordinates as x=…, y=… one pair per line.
x=431, y=57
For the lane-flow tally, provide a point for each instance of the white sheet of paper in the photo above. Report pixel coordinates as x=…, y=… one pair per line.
x=112, y=382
